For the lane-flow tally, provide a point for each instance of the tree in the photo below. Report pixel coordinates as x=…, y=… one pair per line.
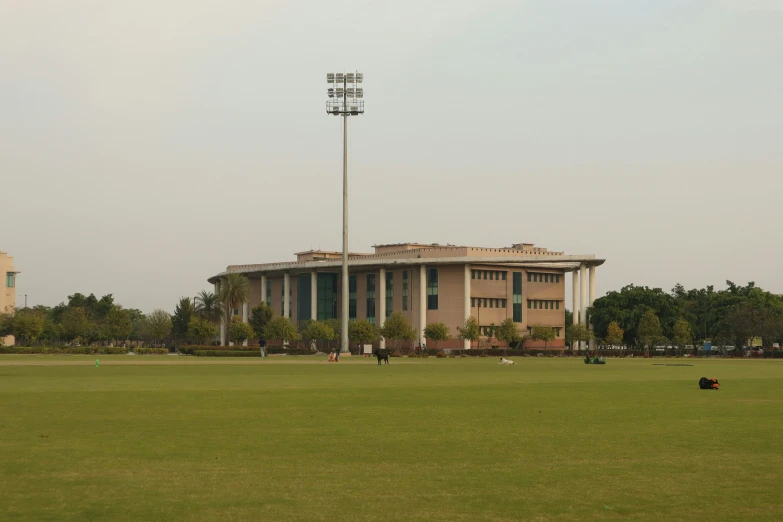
x=259, y=317
x=508, y=332
x=201, y=331
x=682, y=333
x=318, y=332
x=397, y=329
x=569, y=324
x=362, y=332
x=28, y=326
x=281, y=329
x=208, y=306
x=74, y=323
x=159, y=325
x=543, y=333
x=238, y=331
x=649, y=330
x=580, y=334
x=234, y=291
x=117, y=324
x=614, y=334
x=470, y=332
x=435, y=332
x=180, y=321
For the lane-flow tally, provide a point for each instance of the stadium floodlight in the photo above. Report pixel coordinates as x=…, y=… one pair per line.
x=345, y=99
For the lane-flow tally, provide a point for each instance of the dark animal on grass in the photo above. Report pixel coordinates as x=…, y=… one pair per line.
x=382, y=355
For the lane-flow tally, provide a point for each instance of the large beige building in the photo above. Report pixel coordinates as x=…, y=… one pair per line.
x=428, y=283
x=8, y=295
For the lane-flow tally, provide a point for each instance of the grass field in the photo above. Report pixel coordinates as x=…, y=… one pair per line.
x=457, y=439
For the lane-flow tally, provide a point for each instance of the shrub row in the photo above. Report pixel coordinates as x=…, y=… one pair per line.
x=151, y=351
x=189, y=350
x=79, y=350
x=226, y=353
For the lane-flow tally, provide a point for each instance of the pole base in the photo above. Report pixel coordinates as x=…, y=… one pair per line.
x=345, y=354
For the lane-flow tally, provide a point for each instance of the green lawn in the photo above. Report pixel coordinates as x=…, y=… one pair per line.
x=454, y=439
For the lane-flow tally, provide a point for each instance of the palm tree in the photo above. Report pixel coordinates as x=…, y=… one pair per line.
x=234, y=291
x=208, y=307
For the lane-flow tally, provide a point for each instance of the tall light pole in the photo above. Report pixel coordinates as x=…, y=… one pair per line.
x=345, y=100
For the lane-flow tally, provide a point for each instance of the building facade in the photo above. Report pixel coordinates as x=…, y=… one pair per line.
x=428, y=283
x=8, y=295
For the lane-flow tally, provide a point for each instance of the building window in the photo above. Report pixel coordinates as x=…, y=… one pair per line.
x=371, y=298
x=389, y=292
x=473, y=274
x=529, y=304
x=492, y=303
x=491, y=276
x=10, y=279
x=405, y=290
x=473, y=302
x=485, y=273
x=504, y=302
x=503, y=274
x=352, y=298
x=432, y=289
x=268, y=294
x=557, y=305
x=517, y=297
x=327, y=296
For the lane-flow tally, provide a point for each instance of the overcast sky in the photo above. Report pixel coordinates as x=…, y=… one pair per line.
x=146, y=145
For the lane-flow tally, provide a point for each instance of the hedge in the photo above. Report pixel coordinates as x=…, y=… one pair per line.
x=226, y=353
x=151, y=351
x=188, y=350
x=72, y=350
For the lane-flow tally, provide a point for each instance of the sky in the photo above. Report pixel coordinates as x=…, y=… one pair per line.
x=145, y=146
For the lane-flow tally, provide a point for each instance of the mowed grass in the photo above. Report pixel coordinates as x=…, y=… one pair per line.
x=445, y=440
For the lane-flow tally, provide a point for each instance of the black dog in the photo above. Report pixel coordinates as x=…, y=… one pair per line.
x=382, y=355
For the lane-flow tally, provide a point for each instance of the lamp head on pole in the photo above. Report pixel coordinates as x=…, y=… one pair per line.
x=346, y=98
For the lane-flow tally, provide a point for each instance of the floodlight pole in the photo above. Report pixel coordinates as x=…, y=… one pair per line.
x=344, y=316
x=340, y=107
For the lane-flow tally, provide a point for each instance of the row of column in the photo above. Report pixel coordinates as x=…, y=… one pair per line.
x=580, y=301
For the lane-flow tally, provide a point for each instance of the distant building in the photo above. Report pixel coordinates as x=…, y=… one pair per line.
x=428, y=283
x=8, y=295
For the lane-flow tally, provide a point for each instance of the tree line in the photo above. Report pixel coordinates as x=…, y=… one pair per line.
x=642, y=317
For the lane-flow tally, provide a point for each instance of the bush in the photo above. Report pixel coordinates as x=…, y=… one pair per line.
x=150, y=351
x=441, y=355
x=70, y=350
x=188, y=350
x=226, y=353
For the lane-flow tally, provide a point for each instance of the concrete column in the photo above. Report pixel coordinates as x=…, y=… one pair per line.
x=591, y=282
x=575, y=297
x=263, y=289
x=222, y=318
x=245, y=315
x=382, y=302
x=314, y=295
x=466, y=297
x=422, y=302
x=582, y=299
x=287, y=295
